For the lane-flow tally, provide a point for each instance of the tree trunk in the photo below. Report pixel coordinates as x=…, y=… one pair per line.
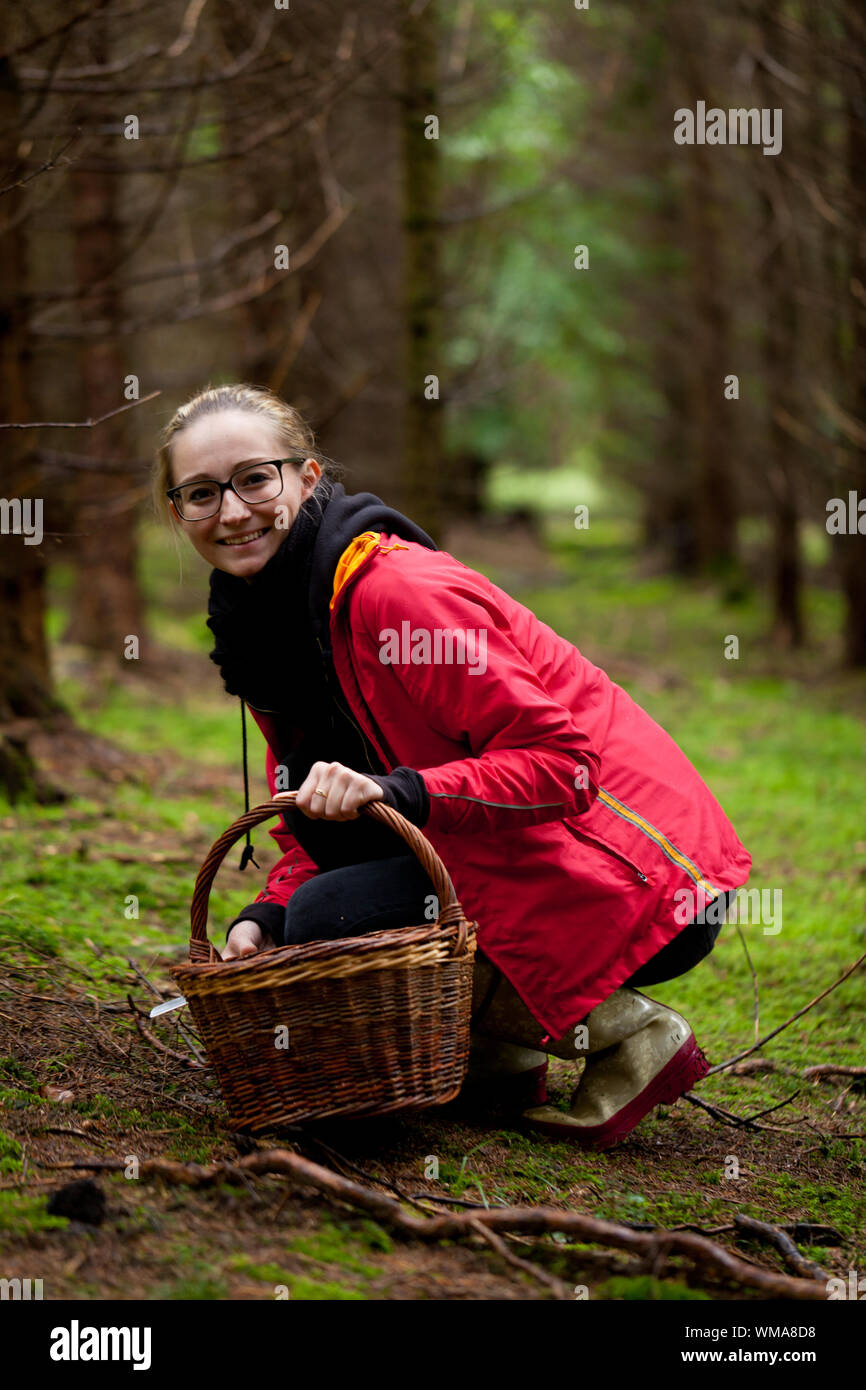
x=106, y=604
x=424, y=462
x=852, y=546
x=26, y=689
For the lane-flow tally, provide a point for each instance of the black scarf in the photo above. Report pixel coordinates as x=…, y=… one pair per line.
x=273, y=650
x=265, y=647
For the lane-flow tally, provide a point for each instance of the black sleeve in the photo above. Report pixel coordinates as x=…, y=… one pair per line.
x=270, y=917
x=404, y=790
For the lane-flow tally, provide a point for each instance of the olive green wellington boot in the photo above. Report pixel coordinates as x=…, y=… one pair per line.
x=639, y=1054
x=510, y=1075
x=507, y=1072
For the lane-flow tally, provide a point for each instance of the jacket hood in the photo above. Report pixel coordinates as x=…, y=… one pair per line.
x=345, y=517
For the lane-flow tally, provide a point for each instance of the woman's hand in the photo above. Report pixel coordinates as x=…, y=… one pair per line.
x=245, y=939
x=344, y=791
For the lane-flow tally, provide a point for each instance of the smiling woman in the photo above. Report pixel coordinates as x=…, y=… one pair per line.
x=221, y=499
x=571, y=824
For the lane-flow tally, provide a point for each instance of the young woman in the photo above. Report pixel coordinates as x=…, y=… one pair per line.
x=378, y=667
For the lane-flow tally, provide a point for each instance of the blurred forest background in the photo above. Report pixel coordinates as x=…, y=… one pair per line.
x=155, y=258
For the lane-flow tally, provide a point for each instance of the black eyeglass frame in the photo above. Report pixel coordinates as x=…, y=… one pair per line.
x=223, y=487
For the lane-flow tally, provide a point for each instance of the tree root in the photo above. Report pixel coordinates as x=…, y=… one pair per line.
x=701, y=1253
x=762, y=1230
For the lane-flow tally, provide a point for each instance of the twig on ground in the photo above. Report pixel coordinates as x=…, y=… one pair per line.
x=702, y=1254
x=724, y=1117
x=754, y=982
x=829, y=1070
x=452, y=1201
x=181, y=1027
x=749, y=1119
x=762, y=1230
x=161, y=1047
x=756, y=1064
x=723, y=1066
x=560, y=1289
x=337, y=1157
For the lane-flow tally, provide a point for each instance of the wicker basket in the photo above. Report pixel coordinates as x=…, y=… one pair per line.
x=365, y=1025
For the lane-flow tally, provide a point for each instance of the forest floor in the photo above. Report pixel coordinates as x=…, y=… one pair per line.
x=94, y=906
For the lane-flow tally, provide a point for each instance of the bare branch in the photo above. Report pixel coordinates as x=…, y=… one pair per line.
x=50, y=163
x=253, y=289
x=187, y=28
x=63, y=28
x=78, y=424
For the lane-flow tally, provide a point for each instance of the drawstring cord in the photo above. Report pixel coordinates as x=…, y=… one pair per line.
x=248, y=848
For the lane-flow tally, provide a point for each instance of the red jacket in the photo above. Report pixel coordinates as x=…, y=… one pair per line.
x=567, y=818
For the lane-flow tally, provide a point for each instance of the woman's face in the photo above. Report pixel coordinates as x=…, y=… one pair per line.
x=216, y=446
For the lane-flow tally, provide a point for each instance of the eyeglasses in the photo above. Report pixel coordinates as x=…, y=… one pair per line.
x=254, y=483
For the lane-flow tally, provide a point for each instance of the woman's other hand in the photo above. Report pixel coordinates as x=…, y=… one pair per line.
x=334, y=792
x=245, y=939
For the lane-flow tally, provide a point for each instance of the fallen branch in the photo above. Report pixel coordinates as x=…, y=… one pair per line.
x=830, y=1070
x=161, y=1047
x=560, y=1289
x=701, y=1253
x=762, y=1230
x=181, y=1027
x=750, y=1119
x=724, y=1117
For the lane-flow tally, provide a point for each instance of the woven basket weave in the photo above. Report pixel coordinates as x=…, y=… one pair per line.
x=373, y=1024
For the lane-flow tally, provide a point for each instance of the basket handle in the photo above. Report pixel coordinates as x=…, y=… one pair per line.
x=201, y=950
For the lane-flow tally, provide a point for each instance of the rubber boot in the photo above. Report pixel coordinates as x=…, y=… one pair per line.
x=509, y=1071
x=639, y=1054
x=499, y=1013
x=506, y=1074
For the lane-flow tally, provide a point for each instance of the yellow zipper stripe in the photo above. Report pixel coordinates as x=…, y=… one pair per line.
x=619, y=808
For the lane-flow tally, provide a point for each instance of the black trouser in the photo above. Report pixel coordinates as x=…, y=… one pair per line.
x=387, y=893
x=688, y=948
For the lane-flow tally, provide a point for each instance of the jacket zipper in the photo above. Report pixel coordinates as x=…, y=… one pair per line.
x=599, y=844
x=667, y=847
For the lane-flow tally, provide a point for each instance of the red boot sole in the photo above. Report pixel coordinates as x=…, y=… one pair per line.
x=686, y=1067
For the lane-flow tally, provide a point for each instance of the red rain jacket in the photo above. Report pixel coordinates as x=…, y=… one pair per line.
x=569, y=821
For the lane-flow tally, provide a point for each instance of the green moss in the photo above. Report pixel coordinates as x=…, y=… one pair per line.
x=23, y=1215
x=19, y=1100
x=310, y=1289
x=332, y=1244
x=10, y=1154
x=644, y=1288
x=13, y=1070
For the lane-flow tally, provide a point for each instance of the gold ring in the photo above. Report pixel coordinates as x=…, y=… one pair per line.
x=319, y=792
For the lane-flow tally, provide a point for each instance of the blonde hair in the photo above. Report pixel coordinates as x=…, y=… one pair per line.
x=295, y=434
